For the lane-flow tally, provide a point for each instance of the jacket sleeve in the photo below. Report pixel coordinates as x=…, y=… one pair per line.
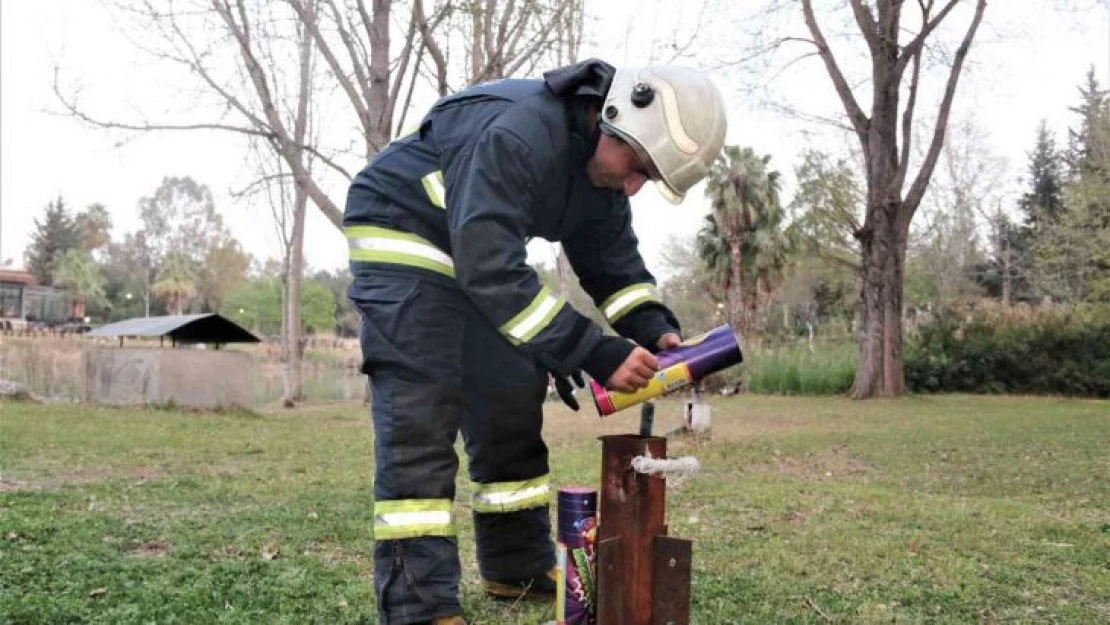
x=490, y=186
x=605, y=256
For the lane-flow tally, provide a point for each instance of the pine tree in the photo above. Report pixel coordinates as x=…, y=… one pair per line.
x=55, y=235
x=1072, y=251
x=1087, y=146
x=1044, y=199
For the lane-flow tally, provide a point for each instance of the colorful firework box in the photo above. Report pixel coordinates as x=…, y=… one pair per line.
x=576, y=594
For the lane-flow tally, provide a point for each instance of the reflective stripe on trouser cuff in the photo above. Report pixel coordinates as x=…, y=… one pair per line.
x=433, y=186
x=511, y=496
x=409, y=518
x=382, y=245
x=626, y=299
x=533, y=319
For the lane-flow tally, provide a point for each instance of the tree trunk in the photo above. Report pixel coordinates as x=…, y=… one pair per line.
x=294, y=390
x=763, y=303
x=880, y=353
x=736, y=289
x=379, y=102
x=286, y=375
x=751, y=312
x=291, y=322
x=1006, y=288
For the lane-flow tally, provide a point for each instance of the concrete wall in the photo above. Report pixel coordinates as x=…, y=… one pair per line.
x=186, y=377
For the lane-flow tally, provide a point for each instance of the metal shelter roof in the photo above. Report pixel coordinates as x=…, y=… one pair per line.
x=203, y=328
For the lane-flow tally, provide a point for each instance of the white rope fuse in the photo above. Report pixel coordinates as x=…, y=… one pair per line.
x=674, y=470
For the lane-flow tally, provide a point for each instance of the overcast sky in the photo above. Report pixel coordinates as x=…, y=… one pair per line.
x=1025, y=66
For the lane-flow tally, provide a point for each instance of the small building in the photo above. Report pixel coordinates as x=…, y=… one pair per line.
x=23, y=301
x=194, y=372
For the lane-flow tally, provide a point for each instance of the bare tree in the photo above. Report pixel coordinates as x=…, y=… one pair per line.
x=885, y=141
x=218, y=42
x=287, y=200
x=238, y=51
x=966, y=189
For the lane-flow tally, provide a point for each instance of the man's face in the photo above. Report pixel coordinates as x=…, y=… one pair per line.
x=616, y=166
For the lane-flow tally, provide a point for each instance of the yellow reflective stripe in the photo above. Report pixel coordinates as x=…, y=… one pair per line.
x=618, y=304
x=433, y=186
x=511, y=496
x=383, y=245
x=408, y=518
x=533, y=319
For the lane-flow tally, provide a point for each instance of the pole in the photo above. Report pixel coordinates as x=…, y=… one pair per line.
x=631, y=512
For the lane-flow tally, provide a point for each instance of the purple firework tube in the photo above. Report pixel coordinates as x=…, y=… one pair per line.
x=576, y=596
x=680, y=366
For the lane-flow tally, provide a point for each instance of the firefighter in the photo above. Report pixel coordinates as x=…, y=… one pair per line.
x=458, y=332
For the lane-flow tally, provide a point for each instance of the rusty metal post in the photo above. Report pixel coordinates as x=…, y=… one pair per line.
x=672, y=559
x=631, y=512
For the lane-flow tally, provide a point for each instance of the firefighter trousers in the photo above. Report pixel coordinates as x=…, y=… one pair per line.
x=437, y=367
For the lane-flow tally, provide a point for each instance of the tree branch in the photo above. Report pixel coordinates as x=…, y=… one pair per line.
x=755, y=53
x=73, y=110
x=928, y=26
x=866, y=22
x=412, y=87
x=913, y=198
x=681, y=49
x=433, y=47
x=327, y=161
x=503, y=26
x=859, y=120
x=358, y=103
x=281, y=142
x=536, y=42
x=907, y=123
x=403, y=67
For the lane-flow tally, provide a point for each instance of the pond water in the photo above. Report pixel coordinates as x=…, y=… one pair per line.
x=54, y=370
x=320, y=384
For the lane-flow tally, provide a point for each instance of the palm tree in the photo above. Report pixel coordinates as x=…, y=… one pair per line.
x=78, y=273
x=742, y=240
x=713, y=250
x=176, y=281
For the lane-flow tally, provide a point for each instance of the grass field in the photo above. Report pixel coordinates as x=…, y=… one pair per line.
x=949, y=509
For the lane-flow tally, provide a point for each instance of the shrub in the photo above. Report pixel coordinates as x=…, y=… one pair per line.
x=1054, y=351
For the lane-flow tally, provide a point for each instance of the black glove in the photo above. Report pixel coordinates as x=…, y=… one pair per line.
x=566, y=392
x=562, y=384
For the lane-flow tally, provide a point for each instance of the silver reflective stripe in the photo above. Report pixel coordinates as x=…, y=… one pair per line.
x=405, y=519
x=628, y=299
x=533, y=319
x=501, y=497
x=505, y=498
x=400, y=246
x=409, y=518
x=530, y=322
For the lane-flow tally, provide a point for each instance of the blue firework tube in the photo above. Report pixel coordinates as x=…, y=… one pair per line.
x=576, y=591
x=679, y=367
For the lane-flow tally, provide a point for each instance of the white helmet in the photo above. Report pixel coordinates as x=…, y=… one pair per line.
x=674, y=117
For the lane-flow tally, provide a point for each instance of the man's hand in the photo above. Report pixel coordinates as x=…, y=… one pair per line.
x=634, y=373
x=668, y=341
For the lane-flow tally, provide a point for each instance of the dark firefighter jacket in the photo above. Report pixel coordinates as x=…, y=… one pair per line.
x=489, y=168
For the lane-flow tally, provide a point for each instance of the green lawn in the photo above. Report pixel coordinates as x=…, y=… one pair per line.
x=950, y=509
